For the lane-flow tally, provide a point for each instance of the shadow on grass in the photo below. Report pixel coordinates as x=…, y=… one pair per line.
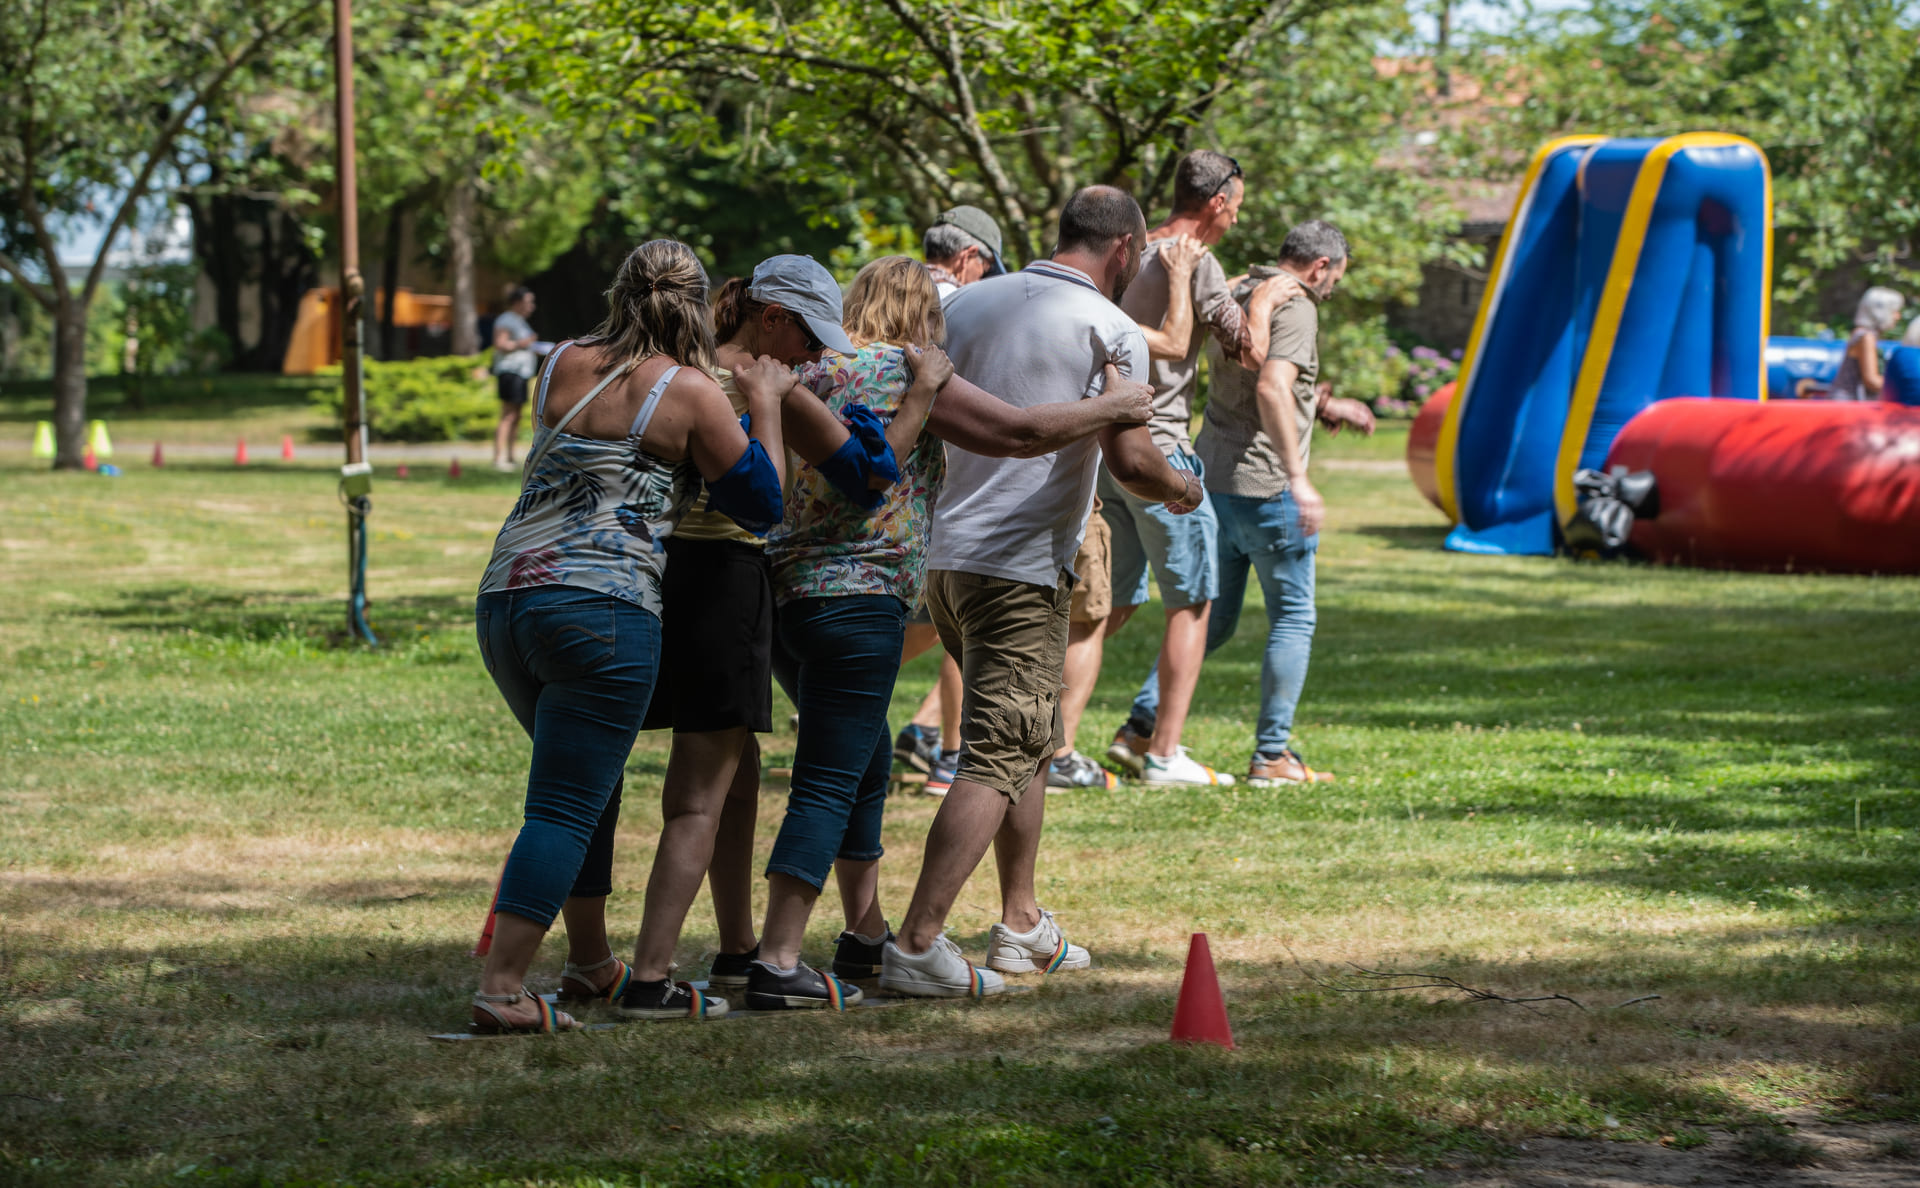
x=297, y=1059
x=277, y=616
x=1422, y=537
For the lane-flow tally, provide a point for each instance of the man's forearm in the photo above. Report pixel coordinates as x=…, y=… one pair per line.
x=1139, y=466
x=1256, y=331
x=1049, y=427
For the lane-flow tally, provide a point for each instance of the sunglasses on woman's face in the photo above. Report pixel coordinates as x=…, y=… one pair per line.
x=813, y=341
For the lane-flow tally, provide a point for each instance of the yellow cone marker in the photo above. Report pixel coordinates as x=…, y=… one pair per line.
x=43, y=440
x=98, y=441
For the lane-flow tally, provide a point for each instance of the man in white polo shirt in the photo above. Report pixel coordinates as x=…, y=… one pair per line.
x=999, y=580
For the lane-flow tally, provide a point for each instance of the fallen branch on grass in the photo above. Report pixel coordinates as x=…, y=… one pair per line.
x=1422, y=981
x=1432, y=981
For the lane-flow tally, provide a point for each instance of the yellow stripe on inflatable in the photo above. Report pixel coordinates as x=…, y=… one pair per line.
x=1613, y=304
x=1766, y=261
x=1443, y=459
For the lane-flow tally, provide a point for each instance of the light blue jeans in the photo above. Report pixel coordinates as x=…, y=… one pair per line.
x=1263, y=535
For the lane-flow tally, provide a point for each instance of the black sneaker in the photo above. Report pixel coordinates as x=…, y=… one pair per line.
x=917, y=747
x=666, y=999
x=856, y=961
x=803, y=989
x=728, y=975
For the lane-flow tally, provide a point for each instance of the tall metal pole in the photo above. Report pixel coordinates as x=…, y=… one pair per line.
x=356, y=477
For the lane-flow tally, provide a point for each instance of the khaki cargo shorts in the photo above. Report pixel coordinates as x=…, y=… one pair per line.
x=1010, y=640
x=1093, y=594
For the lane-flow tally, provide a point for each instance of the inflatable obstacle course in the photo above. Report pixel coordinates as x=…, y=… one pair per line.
x=1621, y=351
x=1632, y=271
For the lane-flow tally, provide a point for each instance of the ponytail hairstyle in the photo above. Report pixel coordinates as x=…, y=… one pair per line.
x=734, y=309
x=893, y=300
x=658, y=306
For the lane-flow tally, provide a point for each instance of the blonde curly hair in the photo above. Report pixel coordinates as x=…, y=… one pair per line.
x=893, y=300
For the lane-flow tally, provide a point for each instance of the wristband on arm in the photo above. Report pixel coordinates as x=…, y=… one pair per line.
x=749, y=493
x=863, y=455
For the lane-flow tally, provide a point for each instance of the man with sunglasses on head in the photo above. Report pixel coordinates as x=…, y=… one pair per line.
x=1208, y=189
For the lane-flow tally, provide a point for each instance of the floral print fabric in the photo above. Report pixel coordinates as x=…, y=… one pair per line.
x=827, y=547
x=594, y=514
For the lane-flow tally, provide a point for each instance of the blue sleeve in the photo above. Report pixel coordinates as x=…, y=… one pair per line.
x=749, y=493
x=865, y=453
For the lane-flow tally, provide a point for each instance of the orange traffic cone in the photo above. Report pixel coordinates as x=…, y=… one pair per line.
x=88, y=459
x=1200, y=1017
x=486, y=930
x=286, y=447
x=159, y=458
x=240, y=453
x=453, y=471
x=401, y=473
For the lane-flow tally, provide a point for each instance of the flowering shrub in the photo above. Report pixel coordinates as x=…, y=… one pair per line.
x=1427, y=371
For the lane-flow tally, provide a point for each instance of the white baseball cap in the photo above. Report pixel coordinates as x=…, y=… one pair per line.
x=802, y=285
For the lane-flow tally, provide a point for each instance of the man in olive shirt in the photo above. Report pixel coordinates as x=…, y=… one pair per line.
x=1255, y=445
x=1207, y=191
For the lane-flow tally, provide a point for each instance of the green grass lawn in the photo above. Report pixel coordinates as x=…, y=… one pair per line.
x=242, y=864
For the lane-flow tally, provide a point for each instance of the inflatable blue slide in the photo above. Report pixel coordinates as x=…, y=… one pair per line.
x=1631, y=271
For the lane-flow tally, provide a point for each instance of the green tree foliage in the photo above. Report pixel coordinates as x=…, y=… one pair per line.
x=903, y=107
x=99, y=95
x=1011, y=105
x=1830, y=89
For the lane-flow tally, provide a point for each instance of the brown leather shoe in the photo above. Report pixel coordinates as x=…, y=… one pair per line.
x=1289, y=768
x=1129, y=750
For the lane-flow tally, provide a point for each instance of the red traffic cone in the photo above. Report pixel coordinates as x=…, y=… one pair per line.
x=453, y=471
x=486, y=930
x=89, y=461
x=286, y=447
x=240, y=453
x=159, y=458
x=1200, y=1017
x=401, y=472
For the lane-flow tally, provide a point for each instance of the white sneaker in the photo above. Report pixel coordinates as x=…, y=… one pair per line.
x=1044, y=950
x=940, y=972
x=1179, y=769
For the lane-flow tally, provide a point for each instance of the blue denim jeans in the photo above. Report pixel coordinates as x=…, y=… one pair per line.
x=837, y=659
x=1264, y=535
x=577, y=668
x=1181, y=550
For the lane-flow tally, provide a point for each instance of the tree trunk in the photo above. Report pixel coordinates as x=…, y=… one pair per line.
x=466, y=316
x=69, y=383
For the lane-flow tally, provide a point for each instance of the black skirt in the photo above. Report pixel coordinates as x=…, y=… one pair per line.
x=716, y=655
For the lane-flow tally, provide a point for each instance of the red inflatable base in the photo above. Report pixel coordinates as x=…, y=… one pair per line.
x=1423, y=443
x=1795, y=485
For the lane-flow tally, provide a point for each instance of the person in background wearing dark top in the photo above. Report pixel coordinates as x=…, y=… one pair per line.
x=1255, y=446
x=1878, y=316
x=514, y=363
x=568, y=616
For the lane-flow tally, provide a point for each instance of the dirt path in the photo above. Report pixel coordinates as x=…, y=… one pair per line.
x=1812, y=1153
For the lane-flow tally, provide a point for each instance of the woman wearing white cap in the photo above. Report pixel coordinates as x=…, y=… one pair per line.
x=1877, y=315
x=715, y=689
